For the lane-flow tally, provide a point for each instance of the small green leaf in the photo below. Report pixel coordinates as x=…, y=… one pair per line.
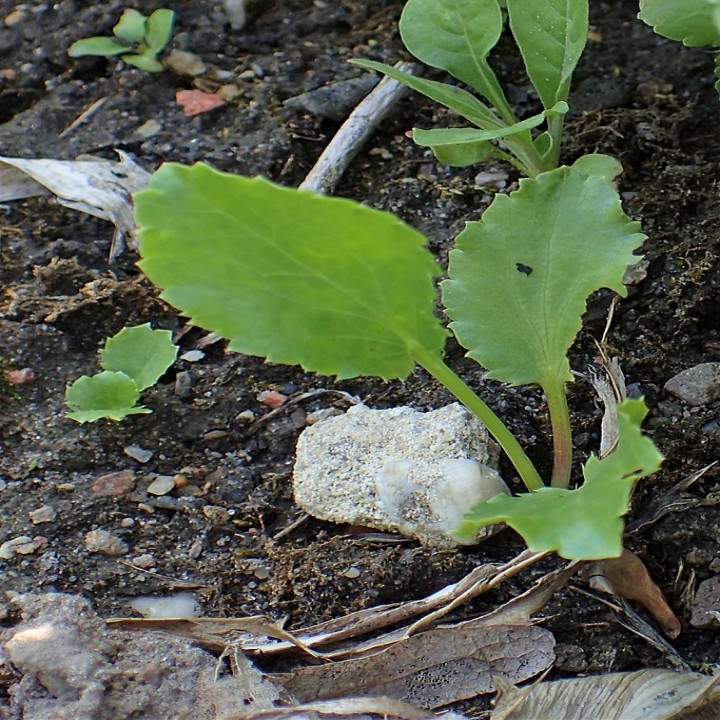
x=158, y=30
x=456, y=36
x=543, y=249
x=144, y=61
x=99, y=46
x=604, y=166
x=328, y=283
x=453, y=98
x=582, y=524
x=109, y=395
x=131, y=26
x=551, y=35
x=691, y=21
x=466, y=146
x=141, y=353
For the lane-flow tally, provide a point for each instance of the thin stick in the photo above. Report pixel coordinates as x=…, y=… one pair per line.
x=355, y=132
x=84, y=116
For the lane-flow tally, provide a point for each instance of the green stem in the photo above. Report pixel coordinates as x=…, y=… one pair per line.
x=496, y=427
x=562, y=433
x=555, y=128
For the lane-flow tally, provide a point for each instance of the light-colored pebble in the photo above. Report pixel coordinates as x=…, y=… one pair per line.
x=179, y=605
x=161, y=485
x=44, y=514
x=136, y=452
x=182, y=62
x=102, y=542
x=21, y=545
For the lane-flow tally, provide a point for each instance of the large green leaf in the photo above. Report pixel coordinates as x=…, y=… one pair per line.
x=519, y=278
x=583, y=524
x=456, y=35
x=131, y=26
x=551, y=35
x=141, y=353
x=110, y=395
x=694, y=22
x=454, y=98
x=99, y=46
x=158, y=29
x=295, y=277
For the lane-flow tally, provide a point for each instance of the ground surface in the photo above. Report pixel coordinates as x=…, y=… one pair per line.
x=647, y=101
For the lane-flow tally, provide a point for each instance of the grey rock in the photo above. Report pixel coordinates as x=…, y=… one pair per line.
x=399, y=469
x=697, y=385
x=705, y=609
x=335, y=101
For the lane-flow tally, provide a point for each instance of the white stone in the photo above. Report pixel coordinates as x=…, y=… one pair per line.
x=178, y=605
x=399, y=469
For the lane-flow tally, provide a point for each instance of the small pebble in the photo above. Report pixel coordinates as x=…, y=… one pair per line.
x=182, y=62
x=228, y=92
x=3, y=484
x=183, y=384
x=20, y=377
x=144, y=561
x=127, y=522
x=179, y=605
x=192, y=355
x=246, y=416
x=351, y=573
x=271, y=398
x=261, y=572
x=15, y=18
x=195, y=550
x=706, y=604
x=216, y=515
x=697, y=385
x=101, y=542
x=144, y=507
x=44, y=514
x=147, y=130
x=114, y=483
x=161, y=485
x=21, y=545
x=138, y=453
x=66, y=487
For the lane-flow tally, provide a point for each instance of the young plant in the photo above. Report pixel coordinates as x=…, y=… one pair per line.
x=694, y=22
x=457, y=36
x=343, y=289
x=132, y=361
x=137, y=39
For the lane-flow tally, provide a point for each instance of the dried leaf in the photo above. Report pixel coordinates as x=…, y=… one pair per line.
x=194, y=102
x=628, y=577
x=434, y=668
x=642, y=695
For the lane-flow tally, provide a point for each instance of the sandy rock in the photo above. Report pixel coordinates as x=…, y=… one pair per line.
x=114, y=483
x=72, y=667
x=399, y=469
x=43, y=514
x=706, y=604
x=697, y=385
x=102, y=542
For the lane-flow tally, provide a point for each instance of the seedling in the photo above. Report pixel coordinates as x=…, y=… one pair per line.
x=137, y=39
x=343, y=289
x=132, y=361
x=457, y=36
x=694, y=22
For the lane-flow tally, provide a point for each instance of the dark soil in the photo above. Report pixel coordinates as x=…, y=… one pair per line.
x=647, y=101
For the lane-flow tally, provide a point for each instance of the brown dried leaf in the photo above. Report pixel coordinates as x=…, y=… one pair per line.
x=642, y=695
x=434, y=668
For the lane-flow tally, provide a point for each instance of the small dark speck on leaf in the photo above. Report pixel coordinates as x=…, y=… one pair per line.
x=523, y=268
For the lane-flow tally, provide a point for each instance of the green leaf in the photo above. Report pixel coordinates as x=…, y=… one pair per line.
x=456, y=35
x=543, y=249
x=141, y=353
x=296, y=277
x=109, y=395
x=551, y=35
x=467, y=145
x=131, y=26
x=582, y=524
x=99, y=46
x=144, y=61
x=604, y=166
x=158, y=29
x=691, y=21
x=454, y=98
